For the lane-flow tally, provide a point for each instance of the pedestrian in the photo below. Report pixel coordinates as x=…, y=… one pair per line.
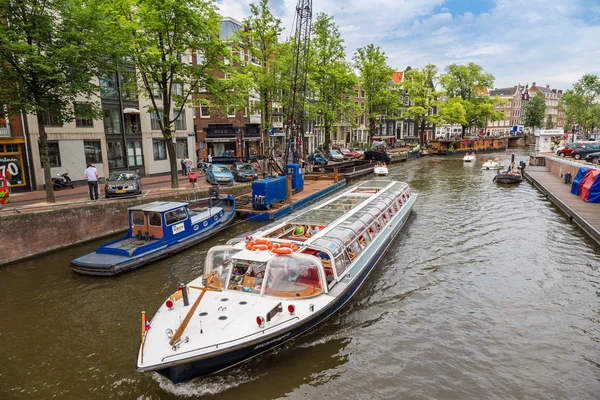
x=210, y=158
x=183, y=167
x=91, y=173
x=188, y=164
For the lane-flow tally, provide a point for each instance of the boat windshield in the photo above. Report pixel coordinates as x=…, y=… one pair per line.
x=296, y=276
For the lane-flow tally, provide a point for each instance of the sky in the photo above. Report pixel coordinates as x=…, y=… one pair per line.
x=550, y=42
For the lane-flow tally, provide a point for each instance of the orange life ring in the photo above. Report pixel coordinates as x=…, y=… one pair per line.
x=284, y=248
x=259, y=244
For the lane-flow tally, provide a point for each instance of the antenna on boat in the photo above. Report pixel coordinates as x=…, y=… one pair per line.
x=200, y=325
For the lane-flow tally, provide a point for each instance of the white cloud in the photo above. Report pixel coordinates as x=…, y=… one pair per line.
x=548, y=41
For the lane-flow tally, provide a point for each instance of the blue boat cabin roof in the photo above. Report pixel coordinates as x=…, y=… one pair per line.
x=159, y=206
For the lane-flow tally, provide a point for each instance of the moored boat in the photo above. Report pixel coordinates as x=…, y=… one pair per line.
x=157, y=230
x=469, y=157
x=492, y=165
x=262, y=291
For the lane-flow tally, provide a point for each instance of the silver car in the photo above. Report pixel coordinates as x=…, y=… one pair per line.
x=123, y=184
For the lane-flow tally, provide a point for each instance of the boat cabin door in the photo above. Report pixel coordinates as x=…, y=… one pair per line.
x=146, y=225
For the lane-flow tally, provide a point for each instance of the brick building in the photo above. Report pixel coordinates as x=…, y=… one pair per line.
x=552, y=98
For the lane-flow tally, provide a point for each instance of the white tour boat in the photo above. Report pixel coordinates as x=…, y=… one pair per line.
x=492, y=165
x=469, y=157
x=261, y=291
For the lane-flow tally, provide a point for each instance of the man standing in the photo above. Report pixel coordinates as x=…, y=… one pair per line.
x=91, y=173
x=210, y=158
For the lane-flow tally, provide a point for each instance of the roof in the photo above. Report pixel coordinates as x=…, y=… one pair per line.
x=397, y=76
x=541, y=89
x=509, y=91
x=480, y=90
x=158, y=206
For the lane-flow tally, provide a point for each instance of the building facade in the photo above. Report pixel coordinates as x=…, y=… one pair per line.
x=552, y=98
x=14, y=153
x=513, y=110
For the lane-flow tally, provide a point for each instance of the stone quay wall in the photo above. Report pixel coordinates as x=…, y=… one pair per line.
x=30, y=233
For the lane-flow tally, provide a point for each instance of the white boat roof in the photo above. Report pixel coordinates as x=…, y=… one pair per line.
x=158, y=206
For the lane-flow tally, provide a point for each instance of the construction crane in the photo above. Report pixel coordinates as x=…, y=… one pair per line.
x=294, y=112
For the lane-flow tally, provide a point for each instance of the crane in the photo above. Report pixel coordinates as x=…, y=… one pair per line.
x=294, y=112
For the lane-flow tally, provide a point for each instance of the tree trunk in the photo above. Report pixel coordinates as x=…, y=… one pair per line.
x=171, y=154
x=327, y=143
x=422, y=133
x=44, y=158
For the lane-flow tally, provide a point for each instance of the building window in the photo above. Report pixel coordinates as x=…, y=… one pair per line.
x=231, y=112
x=194, y=112
x=362, y=94
x=53, y=154
x=49, y=119
x=108, y=86
x=180, y=121
x=83, y=112
x=181, y=148
x=177, y=89
x=134, y=153
x=93, y=152
x=154, y=119
x=156, y=92
x=111, y=121
x=204, y=111
x=116, y=156
x=160, y=149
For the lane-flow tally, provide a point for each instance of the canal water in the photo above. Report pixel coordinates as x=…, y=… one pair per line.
x=488, y=292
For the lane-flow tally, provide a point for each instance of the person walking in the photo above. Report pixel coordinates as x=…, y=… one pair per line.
x=91, y=173
x=210, y=158
x=183, y=167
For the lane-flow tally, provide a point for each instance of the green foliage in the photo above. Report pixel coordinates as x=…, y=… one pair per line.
x=381, y=96
x=158, y=35
x=419, y=86
x=330, y=76
x=580, y=103
x=452, y=111
x=469, y=83
x=49, y=54
x=269, y=61
x=549, y=122
x=534, y=111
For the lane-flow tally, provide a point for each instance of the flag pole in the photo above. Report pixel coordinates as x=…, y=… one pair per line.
x=143, y=333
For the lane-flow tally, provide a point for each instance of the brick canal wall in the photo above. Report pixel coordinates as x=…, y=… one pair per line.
x=32, y=233
x=560, y=166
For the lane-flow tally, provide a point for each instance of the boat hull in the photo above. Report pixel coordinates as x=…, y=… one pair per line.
x=186, y=369
x=508, y=179
x=113, y=269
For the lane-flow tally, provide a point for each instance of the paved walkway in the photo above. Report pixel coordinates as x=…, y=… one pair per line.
x=151, y=186
x=584, y=214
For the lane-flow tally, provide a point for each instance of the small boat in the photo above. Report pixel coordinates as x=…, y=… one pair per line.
x=469, y=158
x=157, y=230
x=492, y=165
x=264, y=290
x=381, y=170
x=508, y=178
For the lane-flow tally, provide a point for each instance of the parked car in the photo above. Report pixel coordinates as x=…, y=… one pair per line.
x=349, y=154
x=243, y=172
x=361, y=152
x=568, y=149
x=593, y=158
x=219, y=174
x=335, y=155
x=578, y=154
x=317, y=159
x=123, y=184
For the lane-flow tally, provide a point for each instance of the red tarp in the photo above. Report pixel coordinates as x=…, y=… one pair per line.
x=587, y=183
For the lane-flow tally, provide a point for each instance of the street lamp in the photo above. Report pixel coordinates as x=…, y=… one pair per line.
x=573, y=129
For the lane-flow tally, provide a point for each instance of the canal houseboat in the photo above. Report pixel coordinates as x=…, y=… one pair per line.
x=263, y=290
x=459, y=147
x=157, y=230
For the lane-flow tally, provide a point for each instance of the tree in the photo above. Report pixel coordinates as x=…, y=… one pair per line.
x=157, y=34
x=549, y=122
x=452, y=111
x=534, y=111
x=375, y=79
x=469, y=83
x=330, y=76
x=260, y=36
x=579, y=103
x=50, y=51
x=419, y=85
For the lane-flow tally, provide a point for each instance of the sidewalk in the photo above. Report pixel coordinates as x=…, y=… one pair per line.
x=150, y=185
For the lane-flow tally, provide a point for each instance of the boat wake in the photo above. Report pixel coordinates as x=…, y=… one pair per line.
x=209, y=385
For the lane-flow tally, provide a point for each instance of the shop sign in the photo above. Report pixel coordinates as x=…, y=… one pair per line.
x=9, y=165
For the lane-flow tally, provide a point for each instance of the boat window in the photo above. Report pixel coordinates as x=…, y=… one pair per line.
x=218, y=261
x=341, y=262
x=364, y=239
x=172, y=217
x=137, y=218
x=246, y=275
x=155, y=219
x=354, y=249
x=294, y=276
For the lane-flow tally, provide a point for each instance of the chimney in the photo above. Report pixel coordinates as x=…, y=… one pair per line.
x=553, y=90
x=560, y=92
x=547, y=86
x=533, y=84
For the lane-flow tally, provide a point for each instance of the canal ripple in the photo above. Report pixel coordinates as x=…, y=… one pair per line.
x=488, y=292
